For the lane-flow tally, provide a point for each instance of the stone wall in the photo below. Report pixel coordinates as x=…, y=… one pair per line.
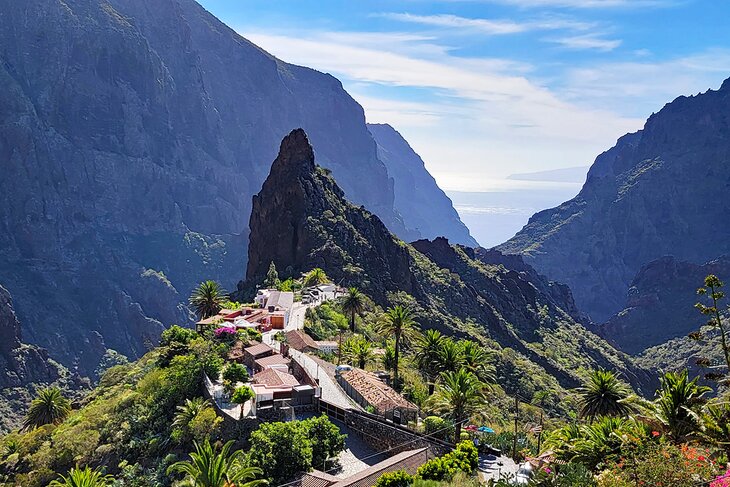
x=382, y=435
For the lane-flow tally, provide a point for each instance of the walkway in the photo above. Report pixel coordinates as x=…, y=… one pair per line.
x=215, y=390
x=492, y=467
x=317, y=369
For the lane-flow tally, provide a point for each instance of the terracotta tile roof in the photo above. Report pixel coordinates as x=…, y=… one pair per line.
x=275, y=378
x=299, y=340
x=276, y=359
x=315, y=478
x=374, y=391
x=407, y=460
x=258, y=349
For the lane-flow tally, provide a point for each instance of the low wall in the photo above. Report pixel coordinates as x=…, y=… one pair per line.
x=382, y=435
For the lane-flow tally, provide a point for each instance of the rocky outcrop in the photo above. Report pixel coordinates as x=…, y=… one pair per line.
x=415, y=189
x=132, y=138
x=660, y=191
x=660, y=304
x=22, y=367
x=301, y=220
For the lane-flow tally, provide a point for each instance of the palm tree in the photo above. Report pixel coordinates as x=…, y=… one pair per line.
x=209, y=468
x=50, y=407
x=188, y=411
x=388, y=358
x=477, y=361
x=459, y=395
x=360, y=351
x=207, y=299
x=678, y=405
x=315, y=277
x=400, y=324
x=85, y=477
x=604, y=395
x=450, y=356
x=353, y=304
x=428, y=346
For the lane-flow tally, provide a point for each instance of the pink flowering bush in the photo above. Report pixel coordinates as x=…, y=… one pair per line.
x=722, y=481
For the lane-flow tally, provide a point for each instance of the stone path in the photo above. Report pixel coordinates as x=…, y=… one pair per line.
x=491, y=467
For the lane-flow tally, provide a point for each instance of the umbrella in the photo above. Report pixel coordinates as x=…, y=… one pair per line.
x=471, y=427
x=485, y=429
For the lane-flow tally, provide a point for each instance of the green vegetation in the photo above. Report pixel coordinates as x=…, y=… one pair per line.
x=399, y=478
x=208, y=467
x=282, y=450
x=459, y=395
x=83, y=477
x=207, y=299
x=353, y=304
x=272, y=277
x=241, y=396
x=315, y=277
x=235, y=372
x=400, y=324
x=604, y=395
x=50, y=407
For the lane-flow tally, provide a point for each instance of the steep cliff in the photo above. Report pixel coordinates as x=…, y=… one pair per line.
x=23, y=367
x=132, y=135
x=301, y=220
x=660, y=304
x=660, y=191
x=415, y=189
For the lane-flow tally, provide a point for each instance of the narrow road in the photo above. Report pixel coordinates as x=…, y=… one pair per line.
x=331, y=391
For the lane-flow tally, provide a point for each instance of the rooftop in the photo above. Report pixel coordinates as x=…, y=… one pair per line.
x=281, y=299
x=272, y=360
x=408, y=460
x=299, y=340
x=258, y=349
x=375, y=391
x=275, y=378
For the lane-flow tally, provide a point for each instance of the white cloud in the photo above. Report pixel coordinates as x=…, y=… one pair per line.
x=585, y=4
x=487, y=26
x=588, y=41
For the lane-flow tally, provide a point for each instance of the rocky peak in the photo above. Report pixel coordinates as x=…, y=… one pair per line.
x=296, y=156
x=9, y=325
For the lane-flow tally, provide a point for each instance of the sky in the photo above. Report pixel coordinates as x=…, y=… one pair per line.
x=482, y=89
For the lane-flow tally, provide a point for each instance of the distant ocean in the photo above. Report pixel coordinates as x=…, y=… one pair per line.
x=494, y=216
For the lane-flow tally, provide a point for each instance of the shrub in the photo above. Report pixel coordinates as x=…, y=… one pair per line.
x=177, y=334
x=464, y=458
x=205, y=425
x=438, y=427
x=235, y=372
x=399, y=478
x=440, y=468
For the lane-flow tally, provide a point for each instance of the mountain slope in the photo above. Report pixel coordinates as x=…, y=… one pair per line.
x=415, y=189
x=131, y=140
x=301, y=220
x=24, y=368
x=663, y=292
x=660, y=191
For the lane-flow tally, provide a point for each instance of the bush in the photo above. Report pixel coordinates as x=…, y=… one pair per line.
x=438, y=427
x=399, y=478
x=235, y=372
x=464, y=458
x=177, y=334
x=205, y=425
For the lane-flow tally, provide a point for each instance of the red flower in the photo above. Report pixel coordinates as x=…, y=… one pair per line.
x=701, y=458
x=654, y=434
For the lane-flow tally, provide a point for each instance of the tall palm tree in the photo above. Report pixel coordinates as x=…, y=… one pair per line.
x=210, y=468
x=450, y=356
x=353, y=304
x=207, y=299
x=188, y=411
x=428, y=347
x=678, y=404
x=400, y=324
x=459, y=395
x=315, y=277
x=49, y=407
x=604, y=395
x=85, y=477
x=477, y=361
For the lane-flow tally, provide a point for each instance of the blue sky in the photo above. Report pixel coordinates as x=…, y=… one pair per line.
x=486, y=88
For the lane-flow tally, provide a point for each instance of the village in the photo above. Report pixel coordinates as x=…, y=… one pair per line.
x=292, y=376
